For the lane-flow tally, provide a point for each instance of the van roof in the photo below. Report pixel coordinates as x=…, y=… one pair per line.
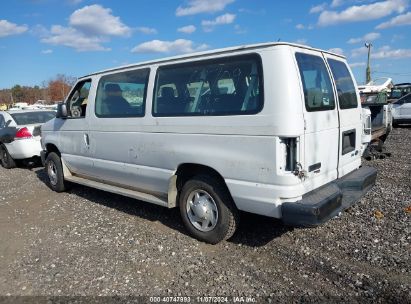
x=211, y=52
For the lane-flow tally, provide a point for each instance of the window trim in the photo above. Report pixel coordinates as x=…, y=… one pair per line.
x=307, y=108
x=143, y=110
x=67, y=101
x=335, y=82
x=204, y=62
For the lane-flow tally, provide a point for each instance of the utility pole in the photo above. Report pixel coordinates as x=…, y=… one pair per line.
x=368, y=70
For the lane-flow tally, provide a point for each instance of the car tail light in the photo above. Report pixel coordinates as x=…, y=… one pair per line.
x=23, y=133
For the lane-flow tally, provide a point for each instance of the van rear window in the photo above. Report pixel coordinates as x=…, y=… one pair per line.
x=226, y=86
x=347, y=96
x=318, y=91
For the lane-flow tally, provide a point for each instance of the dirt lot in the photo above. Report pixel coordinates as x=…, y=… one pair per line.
x=88, y=242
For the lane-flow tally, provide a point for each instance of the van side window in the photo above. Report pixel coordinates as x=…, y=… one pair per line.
x=318, y=91
x=122, y=94
x=78, y=99
x=227, y=86
x=347, y=97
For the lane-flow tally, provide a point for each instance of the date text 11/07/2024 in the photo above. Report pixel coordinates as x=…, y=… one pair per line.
x=202, y=299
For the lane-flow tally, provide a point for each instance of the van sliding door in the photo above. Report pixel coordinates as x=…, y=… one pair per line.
x=349, y=156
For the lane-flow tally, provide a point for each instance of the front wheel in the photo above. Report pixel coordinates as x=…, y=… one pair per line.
x=54, y=171
x=207, y=209
x=6, y=160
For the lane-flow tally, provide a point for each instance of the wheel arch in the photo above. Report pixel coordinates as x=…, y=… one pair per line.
x=52, y=148
x=185, y=172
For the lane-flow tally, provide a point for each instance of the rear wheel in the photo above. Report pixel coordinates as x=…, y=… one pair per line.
x=54, y=171
x=207, y=209
x=6, y=160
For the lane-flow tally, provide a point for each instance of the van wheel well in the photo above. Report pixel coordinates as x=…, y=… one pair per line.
x=52, y=148
x=186, y=172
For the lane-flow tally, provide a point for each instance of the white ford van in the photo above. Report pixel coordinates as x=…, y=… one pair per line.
x=273, y=129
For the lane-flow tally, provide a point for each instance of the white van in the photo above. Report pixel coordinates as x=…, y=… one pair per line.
x=273, y=129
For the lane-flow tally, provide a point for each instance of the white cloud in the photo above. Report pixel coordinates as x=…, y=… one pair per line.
x=300, y=26
x=336, y=3
x=74, y=2
x=176, y=46
x=365, y=12
x=89, y=27
x=366, y=38
x=8, y=28
x=252, y=12
x=302, y=41
x=383, y=52
x=202, y=6
x=39, y=31
x=387, y=52
x=189, y=29
x=47, y=51
x=357, y=64
x=397, y=37
x=208, y=25
x=359, y=51
x=404, y=19
x=70, y=37
x=338, y=51
x=146, y=30
x=239, y=30
x=318, y=8
x=97, y=20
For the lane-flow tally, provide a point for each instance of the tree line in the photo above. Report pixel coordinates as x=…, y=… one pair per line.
x=49, y=92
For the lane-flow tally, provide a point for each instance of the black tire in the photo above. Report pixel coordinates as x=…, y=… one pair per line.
x=54, y=171
x=6, y=160
x=228, y=217
x=394, y=124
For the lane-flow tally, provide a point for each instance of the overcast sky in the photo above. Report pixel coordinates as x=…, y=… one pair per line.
x=41, y=38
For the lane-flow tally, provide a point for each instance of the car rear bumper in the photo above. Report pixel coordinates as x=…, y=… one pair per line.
x=24, y=148
x=320, y=205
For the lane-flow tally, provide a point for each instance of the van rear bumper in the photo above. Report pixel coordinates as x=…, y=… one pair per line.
x=320, y=205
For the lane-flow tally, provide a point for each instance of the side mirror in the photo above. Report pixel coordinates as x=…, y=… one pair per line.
x=61, y=110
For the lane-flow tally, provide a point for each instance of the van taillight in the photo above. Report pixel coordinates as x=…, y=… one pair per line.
x=23, y=133
x=290, y=151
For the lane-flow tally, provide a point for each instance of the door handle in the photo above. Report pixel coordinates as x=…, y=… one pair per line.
x=86, y=140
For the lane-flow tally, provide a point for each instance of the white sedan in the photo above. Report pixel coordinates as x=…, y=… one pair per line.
x=20, y=135
x=402, y=110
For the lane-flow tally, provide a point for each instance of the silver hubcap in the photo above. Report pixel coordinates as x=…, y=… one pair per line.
x=202, y=210
x=52, y=173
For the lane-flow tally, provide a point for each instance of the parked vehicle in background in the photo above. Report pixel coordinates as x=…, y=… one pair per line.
x=399, y=90
x=401, y=110
x=273, y=129
x=377, y=115
x=20, y=135
x=377, y=85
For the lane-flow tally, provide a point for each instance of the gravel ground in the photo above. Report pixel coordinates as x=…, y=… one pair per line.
x=89, y=242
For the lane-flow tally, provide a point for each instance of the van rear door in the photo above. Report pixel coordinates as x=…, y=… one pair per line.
x=349, y=110
x=320, y=142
